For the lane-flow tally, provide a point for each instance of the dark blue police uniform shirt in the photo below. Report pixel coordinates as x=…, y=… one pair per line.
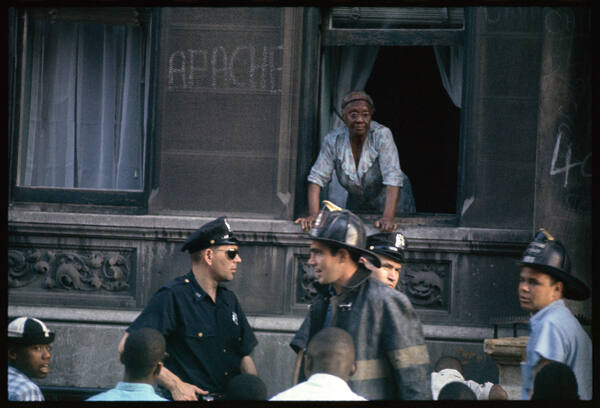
x=205, y=341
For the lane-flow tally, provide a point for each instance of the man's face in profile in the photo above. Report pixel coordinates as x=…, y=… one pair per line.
x=325, y=265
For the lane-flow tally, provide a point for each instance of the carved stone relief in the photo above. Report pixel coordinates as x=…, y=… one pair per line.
x=424, y=282
x=306, y=287
x=69, y=270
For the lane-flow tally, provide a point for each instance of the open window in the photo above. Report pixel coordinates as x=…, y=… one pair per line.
x=83, y=77
x=410, y=61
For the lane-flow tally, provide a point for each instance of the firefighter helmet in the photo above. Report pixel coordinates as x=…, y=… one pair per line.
x=550, y=256
x=342, y=228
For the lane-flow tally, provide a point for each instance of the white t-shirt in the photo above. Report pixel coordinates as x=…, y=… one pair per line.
x=448, y=375
x=319, y=387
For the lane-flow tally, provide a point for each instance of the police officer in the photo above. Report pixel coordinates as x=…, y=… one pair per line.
x=555, y=334
x=389, y=248
x=208, y=337
x=391, y=356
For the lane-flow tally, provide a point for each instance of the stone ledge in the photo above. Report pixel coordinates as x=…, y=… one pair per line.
x=506, y=350
x=285, y=324
x=272, y=232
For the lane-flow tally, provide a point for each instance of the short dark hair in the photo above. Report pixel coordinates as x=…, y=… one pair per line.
x=331, y=351
x=16, y=347
x=553, y=279
x=143, y=349
x=555, y=381
x=448, y=362
x=456, y=390
x=246, y=387
x=354, y=255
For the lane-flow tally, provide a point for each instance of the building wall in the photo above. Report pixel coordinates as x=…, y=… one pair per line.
x=450, y=276
x=90, y=273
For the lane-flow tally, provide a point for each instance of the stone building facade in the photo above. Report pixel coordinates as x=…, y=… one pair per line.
x=229, y=116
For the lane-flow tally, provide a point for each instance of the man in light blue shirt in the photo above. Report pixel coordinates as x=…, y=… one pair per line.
x=555, y=334
x=142, y=356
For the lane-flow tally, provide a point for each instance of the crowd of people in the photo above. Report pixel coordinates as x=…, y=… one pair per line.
x=360, y=340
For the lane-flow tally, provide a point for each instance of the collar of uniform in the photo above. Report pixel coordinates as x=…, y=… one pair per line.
x=359, y=277
x=322, y=289
x=200, y=293
x=330, y=291
x=539, y=315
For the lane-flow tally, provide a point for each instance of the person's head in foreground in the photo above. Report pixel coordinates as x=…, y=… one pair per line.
x=555, y=381
x=143, y=355
x=246, y=387
x=330, y=351
x=456, y=391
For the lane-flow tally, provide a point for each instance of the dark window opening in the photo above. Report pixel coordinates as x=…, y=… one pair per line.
x=410, y=99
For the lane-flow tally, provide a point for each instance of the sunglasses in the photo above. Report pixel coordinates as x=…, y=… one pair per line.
x=231, y=252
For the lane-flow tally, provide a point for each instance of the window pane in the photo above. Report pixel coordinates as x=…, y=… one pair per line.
x=82, y=106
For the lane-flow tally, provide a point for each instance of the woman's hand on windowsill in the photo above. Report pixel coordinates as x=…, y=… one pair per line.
x=386, y=224
x=307, y=222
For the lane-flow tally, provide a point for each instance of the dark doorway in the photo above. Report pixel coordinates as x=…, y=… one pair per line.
x=410, y=99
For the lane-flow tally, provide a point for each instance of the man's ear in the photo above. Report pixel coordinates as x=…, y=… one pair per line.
x=343, y=253
x=367, y=263
x=307, y=364
x=559, y=287
x=208, y=256
x=353, y=369
x=157, y=369
x=12, y=353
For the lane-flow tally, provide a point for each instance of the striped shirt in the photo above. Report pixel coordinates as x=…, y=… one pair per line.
x=21, y=388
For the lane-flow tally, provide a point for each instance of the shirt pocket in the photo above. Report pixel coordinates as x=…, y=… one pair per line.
x=200, y=333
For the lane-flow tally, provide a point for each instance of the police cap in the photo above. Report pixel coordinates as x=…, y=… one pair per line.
x=216, y=232
x=391, y=245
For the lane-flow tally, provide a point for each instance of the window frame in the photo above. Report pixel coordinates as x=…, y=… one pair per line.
x=389, y=36
x=331, y=36
x=119, y=200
